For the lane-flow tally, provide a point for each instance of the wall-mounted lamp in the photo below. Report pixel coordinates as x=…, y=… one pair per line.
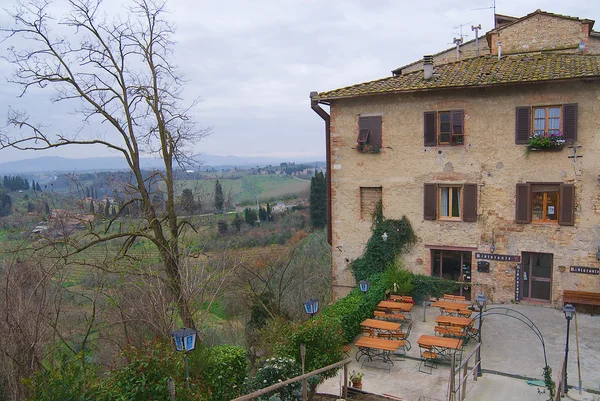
x=598, y=254
x=492, y=247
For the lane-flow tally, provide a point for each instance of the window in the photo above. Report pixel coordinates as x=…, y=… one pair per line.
x=546, y=120
x=369, y=133
x=545, y=203
x=444, y=127
x=450, y=202
x=369, y=199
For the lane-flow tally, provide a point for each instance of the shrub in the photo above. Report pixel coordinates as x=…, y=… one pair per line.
x=72, y=379
x=427, y=286
x=397, y=280
x=147, y=374
x=324, y=339
x=276, y=370
x=225, y=371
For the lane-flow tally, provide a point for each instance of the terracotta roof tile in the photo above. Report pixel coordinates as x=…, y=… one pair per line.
x=481, y=71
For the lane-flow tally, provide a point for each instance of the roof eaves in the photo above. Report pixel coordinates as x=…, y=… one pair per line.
x=443, y=88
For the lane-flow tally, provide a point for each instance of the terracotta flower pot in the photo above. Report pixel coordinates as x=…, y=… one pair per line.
x=357, y=384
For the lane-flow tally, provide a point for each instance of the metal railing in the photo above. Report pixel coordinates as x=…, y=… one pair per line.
x=303, y=377
x=458, y=389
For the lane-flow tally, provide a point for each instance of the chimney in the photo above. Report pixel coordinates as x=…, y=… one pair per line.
x=428, y=67
x=499, y=44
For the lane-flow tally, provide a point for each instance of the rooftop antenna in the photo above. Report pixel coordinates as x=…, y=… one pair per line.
x=458, y=42
x=476, y=29
x=493, y=7
x=460, y=27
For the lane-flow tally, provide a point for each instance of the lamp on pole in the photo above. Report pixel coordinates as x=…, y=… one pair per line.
x=569, y=311
x=481, y=300
x=311, y=307
x=185, y=340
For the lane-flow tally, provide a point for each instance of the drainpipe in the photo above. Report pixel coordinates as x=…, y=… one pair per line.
x=314, y=104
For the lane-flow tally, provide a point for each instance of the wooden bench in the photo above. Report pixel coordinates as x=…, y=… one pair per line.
x=582, y=298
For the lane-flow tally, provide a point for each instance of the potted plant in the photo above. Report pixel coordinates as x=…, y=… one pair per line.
x=356, y=378
x=554, y=141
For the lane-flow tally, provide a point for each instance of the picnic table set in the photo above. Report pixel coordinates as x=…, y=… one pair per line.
x=387, y=333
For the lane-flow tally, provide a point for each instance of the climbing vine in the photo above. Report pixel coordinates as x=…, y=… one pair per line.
x=389, y=239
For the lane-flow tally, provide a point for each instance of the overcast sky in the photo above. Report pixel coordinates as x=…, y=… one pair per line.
x=254, y=63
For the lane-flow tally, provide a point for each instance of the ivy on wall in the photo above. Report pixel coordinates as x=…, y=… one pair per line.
x=389, y=239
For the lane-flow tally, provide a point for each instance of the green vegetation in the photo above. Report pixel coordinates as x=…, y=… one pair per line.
x=318, y=200
x=390, y=237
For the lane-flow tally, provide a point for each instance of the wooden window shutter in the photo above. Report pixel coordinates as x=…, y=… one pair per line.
x=430, y=202
x=369, y=198
x=470, y=202
x=523, y=206
x=457, y=122
x=566, y=205
x=430, y=131
x=570, y=122
x=522, y=125
x=364, y=127
x=375, y=137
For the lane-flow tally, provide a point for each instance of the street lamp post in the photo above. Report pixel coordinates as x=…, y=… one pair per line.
x=185, y=340
x=481, y=300
x=569, y=312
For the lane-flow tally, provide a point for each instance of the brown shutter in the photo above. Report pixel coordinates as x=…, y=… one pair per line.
x=570, y=122
x=522, y=125
x=375, y=137
x=429, y=125
x=430, y=202
x=369, y=198
x=470, y=202
x=523, y=206
x=566, y=205
x=457, y=123
x=364, y=126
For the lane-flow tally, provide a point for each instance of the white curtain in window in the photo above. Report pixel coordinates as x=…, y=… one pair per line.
x=445, y=201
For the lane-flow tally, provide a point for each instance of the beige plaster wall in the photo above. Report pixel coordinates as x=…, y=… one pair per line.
x=489, y=158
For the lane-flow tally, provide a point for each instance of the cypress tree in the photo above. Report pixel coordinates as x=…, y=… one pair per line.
x=318, y=200
x=218, y=196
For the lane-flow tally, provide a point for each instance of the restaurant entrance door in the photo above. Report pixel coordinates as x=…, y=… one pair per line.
x=536, y=280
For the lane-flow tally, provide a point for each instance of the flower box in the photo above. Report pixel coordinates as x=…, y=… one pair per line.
x=551, y=141
x=366, y=148
x=555, y=148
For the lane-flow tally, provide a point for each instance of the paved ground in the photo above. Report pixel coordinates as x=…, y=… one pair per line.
x=511, y=351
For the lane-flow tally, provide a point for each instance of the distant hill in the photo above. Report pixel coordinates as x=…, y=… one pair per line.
x=62, y=164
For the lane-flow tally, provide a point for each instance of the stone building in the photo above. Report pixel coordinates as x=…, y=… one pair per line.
x=446, y=142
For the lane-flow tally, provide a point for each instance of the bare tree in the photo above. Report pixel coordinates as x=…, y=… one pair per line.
x=118, y=73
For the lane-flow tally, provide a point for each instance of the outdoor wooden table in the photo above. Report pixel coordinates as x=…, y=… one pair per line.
x=396, y=306
x=456, y=308
x=381, y=325
x=372, y=347
x=454, y=321
x=444, y=346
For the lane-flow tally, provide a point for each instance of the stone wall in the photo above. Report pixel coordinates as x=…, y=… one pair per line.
x=539, y=32
x=489, y=158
